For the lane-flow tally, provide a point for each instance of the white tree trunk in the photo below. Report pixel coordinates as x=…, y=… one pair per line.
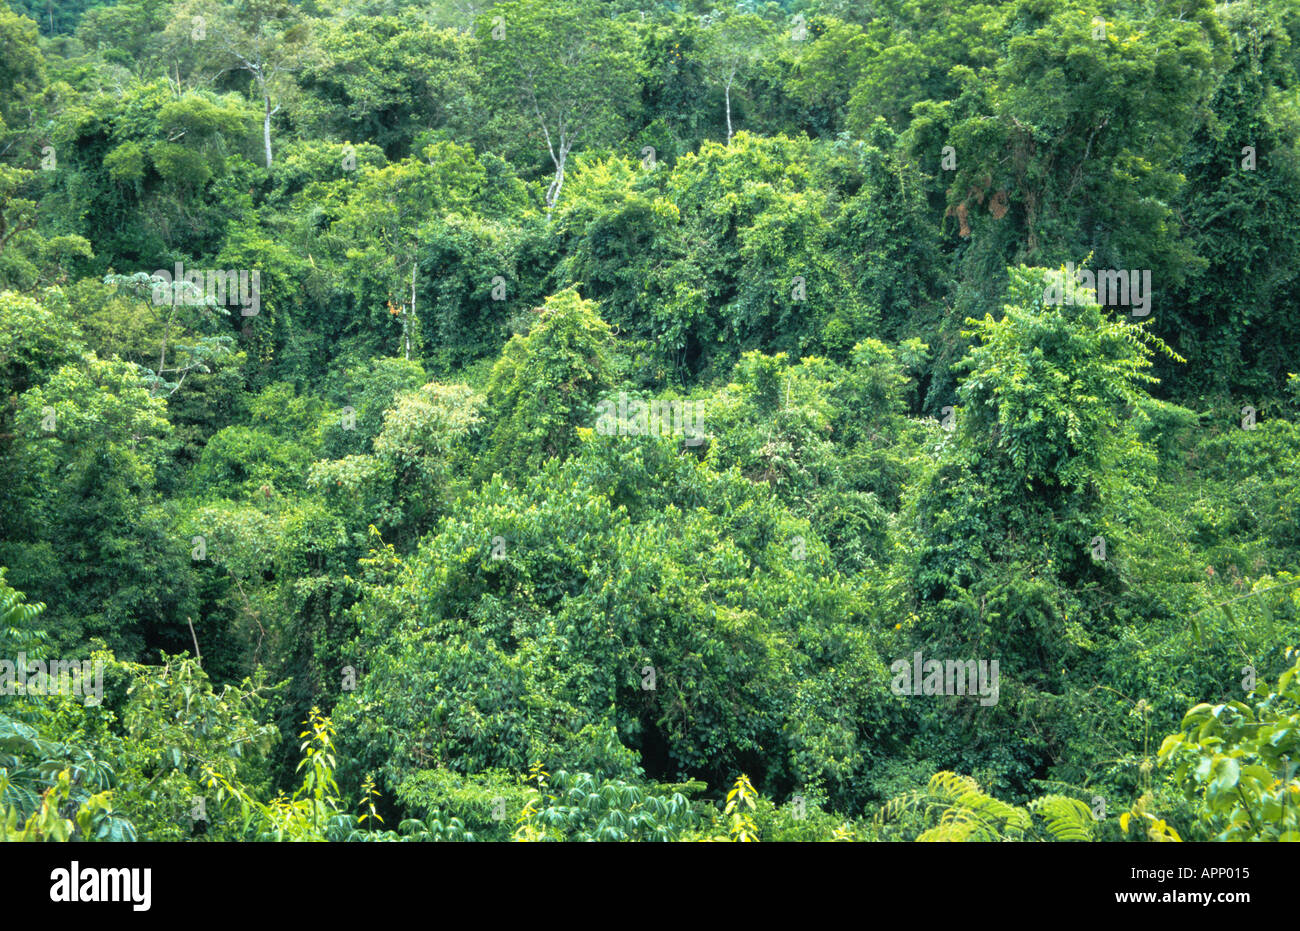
x=266, y=128
x=414, y=266
x=553, y=192
x=728, y=95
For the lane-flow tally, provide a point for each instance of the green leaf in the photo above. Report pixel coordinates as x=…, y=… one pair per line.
x=1227, y=774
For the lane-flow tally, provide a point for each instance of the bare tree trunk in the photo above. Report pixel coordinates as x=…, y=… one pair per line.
x=414, y=266
x=566, y=143
x=266, y=129
x=198, y=656
x=167, y=332
x=728, y=94
x=553, y=192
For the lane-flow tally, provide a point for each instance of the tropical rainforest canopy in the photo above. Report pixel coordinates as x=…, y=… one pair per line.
x=566, y=420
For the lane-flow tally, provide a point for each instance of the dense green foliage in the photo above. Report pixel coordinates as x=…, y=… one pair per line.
x=589, y=421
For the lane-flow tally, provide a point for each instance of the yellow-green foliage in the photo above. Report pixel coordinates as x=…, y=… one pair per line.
x=953, y=807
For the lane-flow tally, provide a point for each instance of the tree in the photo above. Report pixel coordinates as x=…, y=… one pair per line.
x=761, y=273
x=22, y=72
x=149, y=176
x=1047, y=384
x=568, y=68
x=545, y=386
x=1240, y=763
x=418, y=458
x=1067, y=144
x=37, y=336
x=131, y=36
x=389, y=207
x=181, y=732
x=54, y=751
x=383, y=221
x=1235, y=319
x=189, y=321
x=534, y=610
x=732, y=44
x=265, y=39
x=1042, y=457
x=388, y=79
x=88, y=534
x=28, y=258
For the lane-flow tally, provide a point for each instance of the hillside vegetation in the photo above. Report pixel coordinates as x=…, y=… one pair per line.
x=816, y=420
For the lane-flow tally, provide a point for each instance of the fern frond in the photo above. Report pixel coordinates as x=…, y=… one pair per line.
x=967, y=812
x=1066, y=819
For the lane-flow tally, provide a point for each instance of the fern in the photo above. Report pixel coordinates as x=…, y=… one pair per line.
x=966, y=811
x=1066, y=819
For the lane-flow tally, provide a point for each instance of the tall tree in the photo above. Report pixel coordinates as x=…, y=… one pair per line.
x=732, y=44
x=545, y=385
x=568, y=69
x=265, y=39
